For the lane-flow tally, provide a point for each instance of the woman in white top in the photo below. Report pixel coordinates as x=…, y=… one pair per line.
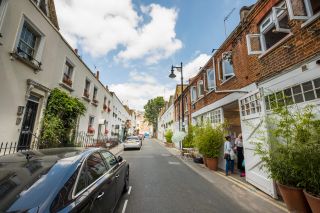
x=240, y=157
x=229, y=155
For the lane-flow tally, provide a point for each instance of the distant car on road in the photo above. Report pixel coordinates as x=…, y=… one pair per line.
x=132, y=142
x=62, y=180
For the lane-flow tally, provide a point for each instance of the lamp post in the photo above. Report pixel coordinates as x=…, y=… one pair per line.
x=172, y=75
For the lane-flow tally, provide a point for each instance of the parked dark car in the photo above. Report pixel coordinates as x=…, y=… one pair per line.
x=62, y=180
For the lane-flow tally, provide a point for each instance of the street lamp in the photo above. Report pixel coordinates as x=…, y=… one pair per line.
x=172, y=75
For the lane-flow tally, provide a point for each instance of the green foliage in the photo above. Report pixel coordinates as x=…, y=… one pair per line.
x=60, y=119
x=209, y=140
x=168, y=135
x=291, y=154
x=152, y=110
x=188, y=141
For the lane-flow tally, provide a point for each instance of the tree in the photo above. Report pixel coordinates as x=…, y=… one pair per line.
x=152, y=110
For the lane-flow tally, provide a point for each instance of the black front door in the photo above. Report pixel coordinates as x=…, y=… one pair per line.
x=28, y=123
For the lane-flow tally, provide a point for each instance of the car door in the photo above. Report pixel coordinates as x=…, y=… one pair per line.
x=116, y=171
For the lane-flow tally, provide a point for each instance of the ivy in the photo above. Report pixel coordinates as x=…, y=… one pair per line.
x=60, y=119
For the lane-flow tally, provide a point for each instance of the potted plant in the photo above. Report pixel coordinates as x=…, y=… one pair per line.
x=284, y=153
x=209, y=141
x=168, y=135
x=91, y=130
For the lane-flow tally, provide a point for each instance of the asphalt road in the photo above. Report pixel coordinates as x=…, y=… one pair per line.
x=162, y=183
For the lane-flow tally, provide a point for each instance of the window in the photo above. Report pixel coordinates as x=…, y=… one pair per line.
x=82, y=180
x=67, y=74
x=200, y=88
x=193, y=92
x=109, y=158
x=95, y=94
x=42, y=4
x=91, y=121
x=306, y=91
x=87, y=88
x=186, y=104
x=272, y=30
x=303, y=9
x=3, y=5
x=95, y=167
x=225, y=66
x=27, y=42
x=250, y=105
x=215, y=116
x=211, y=79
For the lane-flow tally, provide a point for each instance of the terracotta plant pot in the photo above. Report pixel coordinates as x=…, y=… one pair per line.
x=314, y=202
x=205, y=161
x=212, y=163
x=294, y=199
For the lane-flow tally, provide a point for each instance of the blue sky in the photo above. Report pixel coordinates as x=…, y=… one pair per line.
x=133, y=43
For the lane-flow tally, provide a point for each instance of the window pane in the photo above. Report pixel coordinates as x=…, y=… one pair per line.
x=296, y=89
x=307, y=86
x=228, y=69
x=82, y=182
x=318, y=93
x=96, y=167
x=298, y=7
x=109, y=158
x=298, y=98
x=309, y=96
x=317, y=83
x=315, y=6
x=272, y=37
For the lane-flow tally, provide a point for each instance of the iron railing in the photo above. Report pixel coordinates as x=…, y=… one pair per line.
x=82, y=139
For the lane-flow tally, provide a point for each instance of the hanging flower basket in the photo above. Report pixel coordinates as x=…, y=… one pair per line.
x=106, y=131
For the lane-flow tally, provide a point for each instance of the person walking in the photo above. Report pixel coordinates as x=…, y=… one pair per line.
x=229, y=155
x=240, y=156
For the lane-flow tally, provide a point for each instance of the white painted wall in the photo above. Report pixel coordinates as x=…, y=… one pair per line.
x=14, y=74
x=164, y=119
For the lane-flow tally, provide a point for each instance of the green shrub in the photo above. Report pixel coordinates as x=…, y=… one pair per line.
x=209, y=140
x=188, y=141
x=291, y=154
x=168, y=135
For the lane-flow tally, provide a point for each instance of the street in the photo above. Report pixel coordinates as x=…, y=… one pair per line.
x=160, y=182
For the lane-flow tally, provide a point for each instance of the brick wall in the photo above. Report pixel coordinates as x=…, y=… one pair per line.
x=304, y=43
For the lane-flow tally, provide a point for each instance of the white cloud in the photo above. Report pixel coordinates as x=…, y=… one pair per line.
x=100, y=26
x=193, y=67
x=141, y=88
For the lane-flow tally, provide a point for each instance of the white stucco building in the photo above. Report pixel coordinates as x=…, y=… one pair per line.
x=166, y=119
x=35, y=58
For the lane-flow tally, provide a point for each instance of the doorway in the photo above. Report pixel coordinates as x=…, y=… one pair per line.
x=28, y=123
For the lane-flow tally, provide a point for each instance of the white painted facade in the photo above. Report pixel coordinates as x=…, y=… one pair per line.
x=18, y=80
x=166, y=122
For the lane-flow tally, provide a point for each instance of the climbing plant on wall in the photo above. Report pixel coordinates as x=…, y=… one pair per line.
x=60, y=119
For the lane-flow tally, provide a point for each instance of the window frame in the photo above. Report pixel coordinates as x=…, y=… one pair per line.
x=199, y=83
x=226, y=76
x=39, y=46
x=308, y=8
x=3, y=10
x=193, y=94
x=70, y=64
x=87, y=183
x=210, y=87
x=95, y=93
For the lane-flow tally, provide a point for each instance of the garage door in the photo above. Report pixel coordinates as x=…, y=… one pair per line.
x=254, y=130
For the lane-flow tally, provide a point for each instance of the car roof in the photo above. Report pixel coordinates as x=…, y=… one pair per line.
x=23, y=182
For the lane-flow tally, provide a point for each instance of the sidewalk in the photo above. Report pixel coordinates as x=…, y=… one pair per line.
x=117, y=150
x=235, y=187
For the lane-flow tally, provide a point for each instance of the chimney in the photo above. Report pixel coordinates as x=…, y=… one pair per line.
x=97, y=75
x=107, y=87
x=244, y=11
x=76, y=51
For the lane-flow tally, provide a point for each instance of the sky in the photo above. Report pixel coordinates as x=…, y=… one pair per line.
x=133, y=43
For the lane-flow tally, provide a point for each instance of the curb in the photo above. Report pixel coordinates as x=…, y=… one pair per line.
x=242, y=185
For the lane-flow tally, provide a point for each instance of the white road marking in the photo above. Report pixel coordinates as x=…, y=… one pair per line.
x=124, y=206
x=174, y=163
x=129, y=191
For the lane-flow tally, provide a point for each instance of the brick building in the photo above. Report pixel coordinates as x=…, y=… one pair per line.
x=273, y=53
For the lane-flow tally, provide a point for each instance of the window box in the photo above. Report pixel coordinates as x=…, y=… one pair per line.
x=32, y=63
x=91, y=130
x=67, y=80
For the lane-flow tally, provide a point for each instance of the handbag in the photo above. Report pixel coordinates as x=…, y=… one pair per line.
x=227, y=156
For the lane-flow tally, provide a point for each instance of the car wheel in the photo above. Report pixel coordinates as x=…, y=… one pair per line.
x=126, y=182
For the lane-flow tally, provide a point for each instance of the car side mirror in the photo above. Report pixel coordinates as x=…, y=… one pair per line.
x=120, y=159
